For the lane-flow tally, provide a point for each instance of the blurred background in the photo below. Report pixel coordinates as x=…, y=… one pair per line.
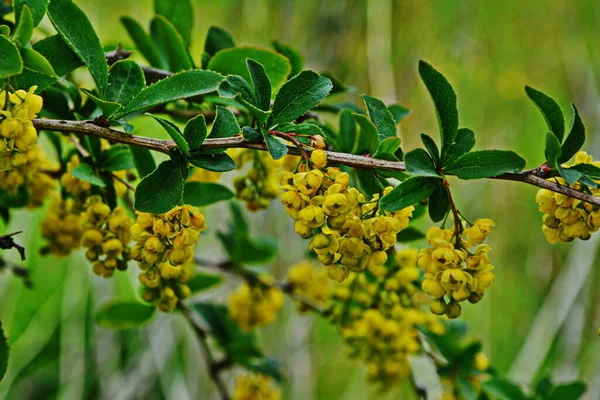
x=539, y=318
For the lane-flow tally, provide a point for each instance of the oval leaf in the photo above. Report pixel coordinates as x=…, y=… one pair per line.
x=220, y=162
x=174, y=132
x=409, y=192
x=10, y=62
x=170, y=44
x=179, y=13
x=143, y=43
x=37, y=7
x=217, y=39
x=24, y=29
x=418, y=162
x=380, y=116
x=262, y=84
x=225, y=124
x=36, y=62
x=125, y=81
x=127, y=315
x=576, y=138
x=201, y=281
x=486, y=164
x=550, y=110
x=160, y=191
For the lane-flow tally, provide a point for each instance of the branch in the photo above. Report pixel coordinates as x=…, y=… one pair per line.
x=351, y=160
x=7, y=242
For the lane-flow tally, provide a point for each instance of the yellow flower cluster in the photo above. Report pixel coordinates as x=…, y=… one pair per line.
x=348, y=233
x=565, y=218
x=255, y=304
x=17, y=132
x=378, y=319
x=255, y=387
x=62, y=227
x=311, y=282
x=259, y=185
x=165, y=252
x=106, y=237
x=456, y=266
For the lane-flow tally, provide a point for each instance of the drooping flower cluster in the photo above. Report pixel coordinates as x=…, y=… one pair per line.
x=255, y=387
x=62, y=227
x=348, y=233
x=456, y=266
x=165, y=252
x=306, y=279
x=565, y=218
x=17, y=132
x=379, y=319
x=106, y=237
x=259, y=185
x=255, y=304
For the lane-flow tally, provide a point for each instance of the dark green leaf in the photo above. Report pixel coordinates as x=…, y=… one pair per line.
x=550, y=110
x=275, y=146
x=466, y=389
x=179, y=13
x=409, y=192
x=143, y=43
x=36, y=62
x=409, y=234
x=4, y=353
x=576, y=137
x=202, y=281
x=108, y=108
x=398, y=112
x=37, y=7
x=303, y=129
x=24, y=28
x=252, y=135
x=338, y=85
x=76, y=30
x=225, y=124
x=294, y=56
x=170, y=44
x=572, y=391
x=184, y=84
x=143, y=160
x=261, y=83
x=588, y=169
x=233, y=62
x=439, y=203
x=544, y=387
x=485, y=164
x=195, y=132
x=124, y=315
x=432, y=148
x=94, y=146
x=418, y=162
x=380, y=116
x=503, y=389
x=86, y=172
x=220, y=162
x=235, y=85
x=117, y=158
x=298, y=95
x=368, y=139
x=60, y=56
x=160, y=191
x=444, y=100
x=217, y=39
x=465, y=141
x=204, y=193
x=125, y=81
x=14, y=200
x=570, y=175
x=368, y=182
x=348, y=132
x=10, y=62
x=552, y=150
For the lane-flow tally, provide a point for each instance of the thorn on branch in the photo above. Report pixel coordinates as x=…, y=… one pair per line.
x=7, y=242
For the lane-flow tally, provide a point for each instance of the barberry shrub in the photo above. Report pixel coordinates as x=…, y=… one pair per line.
x=255, y=120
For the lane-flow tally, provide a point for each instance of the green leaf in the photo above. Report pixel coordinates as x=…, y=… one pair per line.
x=252, y=135
x=179, y=13
x=125, y=81
x=217, y=39
x=503, y=389
x=294, y=56
x=380, y=116
x=261, y=83
x=220, y=162
x=4, y=353
x=37, y=7
x=409, y=234
x=348, y=132
x=160, y=191
x=143, y=161
x=303, y=129
x=108, y=107
x=170, y=44
x=550, y=110
x=576, y=137
x=76, y=30
x=202, y=281
x=466, y=389
x=117, y=158
x=338, y=85
x=184, y=84
x=419, y=163
x=143, y=43
x=266, y=366
x=10, y=62
x=195, y=132
x=275, y=146
x=232, y=61
x=439, y=203
x=60, y=56
x=234, y=86
x=465, y=141
x=485, y=164
x=368, y=139
x=204, y=193
x=398, y=112
x=225, y=124
x=572, y=391
x=389, y=145
x=444, y=99
x=432, y=148
x=570, y=175
x=24, y=29
x=409, y=192
x=587, y=169
x=124, y=315
x=175, y=133
x=86, y=172
x=298, y=95
x=552, y=150
x=36, y=62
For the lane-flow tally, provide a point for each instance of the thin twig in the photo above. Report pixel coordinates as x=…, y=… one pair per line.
x=351, y=160
x=7, y=242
